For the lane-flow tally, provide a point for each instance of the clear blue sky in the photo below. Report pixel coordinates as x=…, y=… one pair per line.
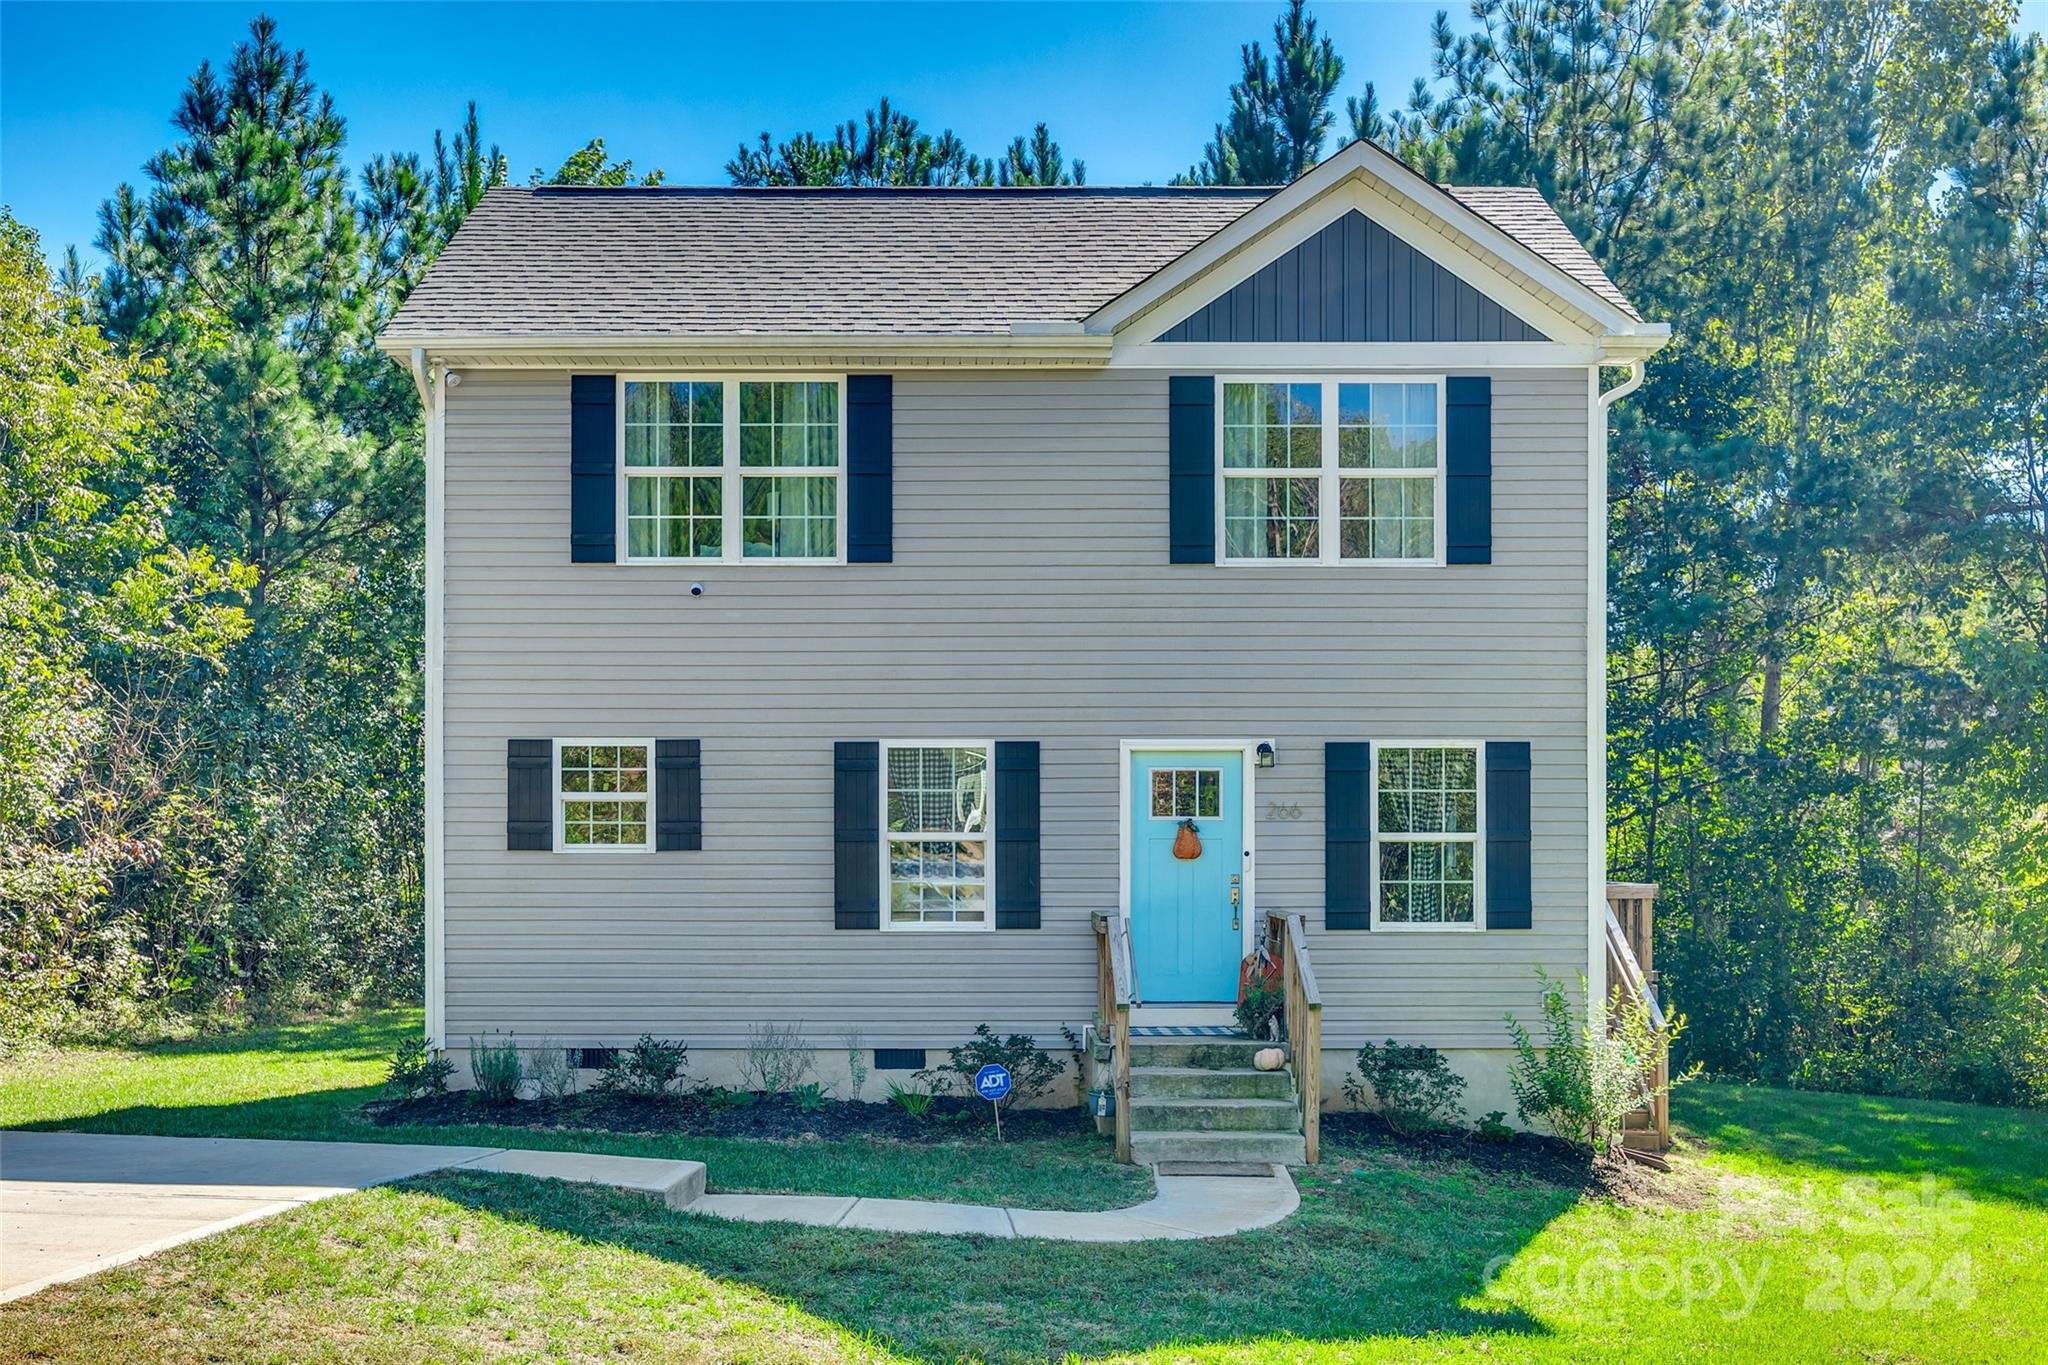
x=1133, y=89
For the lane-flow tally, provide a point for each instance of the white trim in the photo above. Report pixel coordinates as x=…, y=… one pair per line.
x=542, y=350
x=1398, y=183
x=1598, y=406
x=988, y=750
x=433, y=386
x=560, y=797
x=1248, y=819
x=729, y=472
x=1477, y=837
x=1329, y=533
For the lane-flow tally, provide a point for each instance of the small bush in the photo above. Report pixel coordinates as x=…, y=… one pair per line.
x=911, y=1100
x=647, y=1070
x=777, y=1058
x=495, y=1069
x=720, y=1098
x=1413, y=1087
x=856, y=1062
x=548, y=1071
x=418, y=1070
x=1032, y=1069
x=1588, y=1078
x=1494, y=1128
x=809, y=1097
x=1259, y=1008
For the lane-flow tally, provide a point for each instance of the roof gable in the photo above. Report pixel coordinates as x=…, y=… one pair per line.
x=1351, y=281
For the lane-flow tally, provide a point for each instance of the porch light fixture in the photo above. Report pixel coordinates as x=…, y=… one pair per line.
x=1265, y=753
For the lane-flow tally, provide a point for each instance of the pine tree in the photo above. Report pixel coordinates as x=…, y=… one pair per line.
x=1279, y=108
x=587, y=166
x=885, y=147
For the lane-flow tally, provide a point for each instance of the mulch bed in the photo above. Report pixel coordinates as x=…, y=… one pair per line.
x=1526, y=1156
x=950, y=1119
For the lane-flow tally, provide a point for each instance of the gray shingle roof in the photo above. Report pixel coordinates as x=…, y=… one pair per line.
x=698, y=262
x=1526, y=216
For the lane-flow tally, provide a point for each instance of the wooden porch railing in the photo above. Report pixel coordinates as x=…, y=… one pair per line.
x=1114, y=992
x=1303, y=1005
x=1631, y=908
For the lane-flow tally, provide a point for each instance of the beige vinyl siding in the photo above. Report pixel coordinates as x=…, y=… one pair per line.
x=1030, y=598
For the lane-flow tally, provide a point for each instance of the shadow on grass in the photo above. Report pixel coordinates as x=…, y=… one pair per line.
x=1986, y=1152
x=1378, y=1249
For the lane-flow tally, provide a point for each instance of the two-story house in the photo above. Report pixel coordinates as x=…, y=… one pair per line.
x=837, y=598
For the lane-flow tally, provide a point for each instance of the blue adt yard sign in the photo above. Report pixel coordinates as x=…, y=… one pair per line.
x=992, y=1082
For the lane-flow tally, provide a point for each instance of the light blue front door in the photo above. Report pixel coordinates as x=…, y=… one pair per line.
x=1186, y=935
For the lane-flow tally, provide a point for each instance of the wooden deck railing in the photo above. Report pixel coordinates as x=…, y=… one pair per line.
x=1303, y=1005
x=1630, y=910
x=1115, y=991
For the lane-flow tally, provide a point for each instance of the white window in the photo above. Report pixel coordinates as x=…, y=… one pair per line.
x=1331, y=471
x=937, y=869
x=1427, y=867
x=732, y=469
x=601, y=794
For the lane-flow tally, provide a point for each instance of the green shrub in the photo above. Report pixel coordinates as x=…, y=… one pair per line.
x=809, y=1097
x=1494, y=1128
x=1259, y=1008
x=721, y=1098
x=1588, y=1078
x=496, y=1070
x=1413, y=1086
x=417, y=1070
x=647, y=1070
x=1032, y=1069
x=856, y=1062
x=913, y=1101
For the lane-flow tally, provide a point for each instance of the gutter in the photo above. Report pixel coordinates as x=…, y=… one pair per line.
x=433, y=407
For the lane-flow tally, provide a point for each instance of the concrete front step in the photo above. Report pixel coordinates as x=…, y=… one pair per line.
x=1214, y=1115
x=1207, y=1053
x=1286, y=1149
x=1194, y=1082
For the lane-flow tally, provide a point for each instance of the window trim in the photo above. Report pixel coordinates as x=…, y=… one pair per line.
x=1328, y=534
x=562, y=844
x=1477, y=837
x=729, y=471
x=988, y=920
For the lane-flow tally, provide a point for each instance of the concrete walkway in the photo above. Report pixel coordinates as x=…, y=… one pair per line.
x=73, y=1204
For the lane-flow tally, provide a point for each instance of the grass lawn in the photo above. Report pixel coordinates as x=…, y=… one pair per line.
x=1804, y=1227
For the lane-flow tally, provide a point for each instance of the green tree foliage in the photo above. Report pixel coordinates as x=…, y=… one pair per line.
x=885, y=147
x=1279, y=108
x=99, y=612
x=588, y=166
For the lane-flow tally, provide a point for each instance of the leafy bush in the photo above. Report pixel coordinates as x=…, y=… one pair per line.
x=417, y=1070
x=721, y=1098
x=1032, y=1069
x=777, y=1058
x=912, y=1100
x=1588, y=1078
x=1414, y=1087
x=1494, y=1128
x=548, y=1071
x=496, y=1070
x=809, y=1097
x=647, y=1069
x=856, y=1062
x=1259, y=1008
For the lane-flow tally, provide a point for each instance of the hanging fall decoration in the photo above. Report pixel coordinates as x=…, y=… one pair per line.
x=1187, y=844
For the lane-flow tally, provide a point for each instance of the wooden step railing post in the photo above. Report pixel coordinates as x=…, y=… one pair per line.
x=1113, y=995
x=1302, y=1007
x=1631, y=961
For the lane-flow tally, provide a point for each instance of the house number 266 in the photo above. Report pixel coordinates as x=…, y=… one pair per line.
x=1276, y=811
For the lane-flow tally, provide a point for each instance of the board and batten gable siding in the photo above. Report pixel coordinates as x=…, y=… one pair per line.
x=1030, y=598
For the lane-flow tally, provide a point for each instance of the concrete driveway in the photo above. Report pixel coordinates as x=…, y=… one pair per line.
x=75, y=1203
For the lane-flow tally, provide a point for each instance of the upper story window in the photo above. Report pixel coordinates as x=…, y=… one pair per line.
x=1331, y=471
x=731, y=469
x=1426, y=804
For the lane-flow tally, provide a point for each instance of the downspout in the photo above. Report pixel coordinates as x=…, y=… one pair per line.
x=432, y=385
x=1596, y=673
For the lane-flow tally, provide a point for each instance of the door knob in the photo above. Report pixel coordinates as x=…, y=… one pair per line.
x=1236, y=895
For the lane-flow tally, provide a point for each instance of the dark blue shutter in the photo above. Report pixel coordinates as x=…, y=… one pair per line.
x=870, y=468
x=856, y=835
x=1347, y=835
x=678, y=795
x=593, y=469
x=1468, y=467
x=530, y=795
x=1507, y=836
x=1017, y=834
x=1191, y=467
